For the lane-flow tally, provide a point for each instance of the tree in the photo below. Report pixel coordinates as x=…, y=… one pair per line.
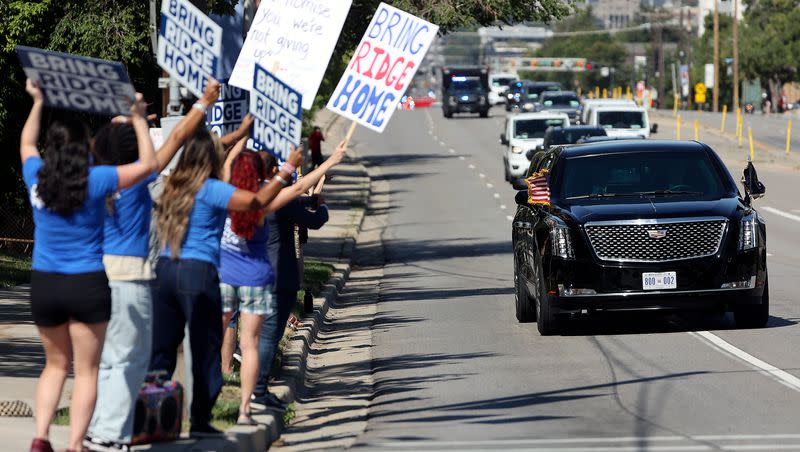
x=603, y=48
x=770, y=43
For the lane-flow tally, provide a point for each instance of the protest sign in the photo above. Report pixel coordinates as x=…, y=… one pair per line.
x=382, y=67
x=278, y=114
x=78, y=83
x=189, y=45
x=232, y=39
x=225, y=115
x=298, y=37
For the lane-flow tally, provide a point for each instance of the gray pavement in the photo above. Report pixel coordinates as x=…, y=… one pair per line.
x=453, y=370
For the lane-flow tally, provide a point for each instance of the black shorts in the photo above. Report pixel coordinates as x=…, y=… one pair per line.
x=57, y=298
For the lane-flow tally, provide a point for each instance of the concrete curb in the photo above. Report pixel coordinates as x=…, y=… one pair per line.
x=259, y=438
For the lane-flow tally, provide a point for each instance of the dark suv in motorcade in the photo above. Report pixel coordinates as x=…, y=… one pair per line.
x=525, y=94
x=563, y=102
x=641, y=224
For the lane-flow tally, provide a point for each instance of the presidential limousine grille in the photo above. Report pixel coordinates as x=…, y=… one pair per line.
x=657, y=242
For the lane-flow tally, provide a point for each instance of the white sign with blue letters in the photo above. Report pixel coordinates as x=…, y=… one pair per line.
x=278, y=112
x=189, y=45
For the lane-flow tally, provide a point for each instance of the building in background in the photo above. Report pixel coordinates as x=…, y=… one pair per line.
x=615, y=13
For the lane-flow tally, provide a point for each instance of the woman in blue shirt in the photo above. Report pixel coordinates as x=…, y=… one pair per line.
x=245, y=272
x=190, y=216
x=70, y=298
x=126, y=353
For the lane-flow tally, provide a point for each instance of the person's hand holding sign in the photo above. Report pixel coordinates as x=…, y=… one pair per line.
x=211, y=93
x=35, y=92
x=338, y=155
x=296, y=157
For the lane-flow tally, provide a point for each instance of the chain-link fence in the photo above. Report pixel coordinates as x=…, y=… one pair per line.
x=16, y=230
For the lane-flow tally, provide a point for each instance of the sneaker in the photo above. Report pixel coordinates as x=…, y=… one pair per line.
x=268, y=400
x=204, y=431
x=100, y=445
x=41, y=445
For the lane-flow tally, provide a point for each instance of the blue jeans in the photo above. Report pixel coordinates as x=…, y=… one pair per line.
x=124, y=361
x=271, y=333
x=188, y=291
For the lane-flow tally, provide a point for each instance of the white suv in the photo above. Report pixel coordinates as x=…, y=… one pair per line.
x=498, y=86
x=525, y=132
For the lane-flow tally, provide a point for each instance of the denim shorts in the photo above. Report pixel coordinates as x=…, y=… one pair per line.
x=247, y=299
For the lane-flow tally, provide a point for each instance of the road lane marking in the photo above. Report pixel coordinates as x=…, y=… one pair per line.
x=481, y=175
x=441, y=143
x=497, y=196
x=509, y=218
x=502, y=206
x=732, y=448
x=489, y=185
x=769, y=254
x=430, y=132
x=782, y=213
x=461, y=157
x=435, y=138
x=614, y=440
x=765, y=368
x=471, y=166
x=452, y=151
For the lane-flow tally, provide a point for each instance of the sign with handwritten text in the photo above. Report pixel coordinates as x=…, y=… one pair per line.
x=226, y=114
x=382, y=67
x=295, y=40
x=278, y=114
x=189, y=44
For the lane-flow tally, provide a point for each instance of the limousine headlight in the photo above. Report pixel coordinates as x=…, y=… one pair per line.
x=748, y=232
x=516, y=150
x=560, y=240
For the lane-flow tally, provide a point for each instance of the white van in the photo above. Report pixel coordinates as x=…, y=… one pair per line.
x=498, y=85
x=589, y=104
x=621, y=121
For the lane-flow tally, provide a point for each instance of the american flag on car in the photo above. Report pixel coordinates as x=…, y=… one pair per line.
x=538, y=188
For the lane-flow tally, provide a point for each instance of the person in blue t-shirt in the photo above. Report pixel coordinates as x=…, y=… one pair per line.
x=70, y=297
x=190, y=216
x=126, y=352
x=245, y=272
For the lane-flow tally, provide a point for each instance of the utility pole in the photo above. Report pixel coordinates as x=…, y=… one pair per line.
x=659, y=62
x=735, y=55
x=715, y=107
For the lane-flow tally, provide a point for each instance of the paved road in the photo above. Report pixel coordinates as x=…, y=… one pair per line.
x=454, y=370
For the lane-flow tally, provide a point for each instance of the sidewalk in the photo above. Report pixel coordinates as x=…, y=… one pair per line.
x=22, y=356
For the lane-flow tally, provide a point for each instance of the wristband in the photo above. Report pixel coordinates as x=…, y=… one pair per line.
x=281, y=180
x=289, y=168
x=199, y=107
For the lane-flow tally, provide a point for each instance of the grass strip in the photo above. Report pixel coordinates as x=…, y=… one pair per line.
x=14, y=270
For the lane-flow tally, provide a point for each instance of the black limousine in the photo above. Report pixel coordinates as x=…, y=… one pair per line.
x=629, y=225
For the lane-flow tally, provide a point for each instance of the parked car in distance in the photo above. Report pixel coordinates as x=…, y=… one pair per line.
x=522, y=133
x=498, y=86
x=622, y=121
x=562, y=101
x=638, y=224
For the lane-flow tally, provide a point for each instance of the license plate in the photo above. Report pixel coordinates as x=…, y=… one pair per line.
x=657, y=281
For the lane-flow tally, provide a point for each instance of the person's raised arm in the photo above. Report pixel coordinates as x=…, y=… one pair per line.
x=243, y=200
x=226, y=166
x=186, y=127
x=308, y=181
x=30, y=133
x=132, y=173
x=241, y=132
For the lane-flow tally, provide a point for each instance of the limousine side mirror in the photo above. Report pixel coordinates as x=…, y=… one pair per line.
x=654, y=128
x=753, y=187
x=503, y=139
x=521, y=198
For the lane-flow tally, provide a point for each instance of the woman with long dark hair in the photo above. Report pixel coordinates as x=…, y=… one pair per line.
x=245, y=271
x=70, y=297
x=126, y=352
x=190, y=216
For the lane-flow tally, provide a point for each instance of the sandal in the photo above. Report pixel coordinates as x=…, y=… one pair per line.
x=246, y=419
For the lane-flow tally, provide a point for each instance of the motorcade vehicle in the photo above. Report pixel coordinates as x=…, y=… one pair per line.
x=561, y=101
x=525, y=95
x=622, y=121
x=570, y=135
x=589, y=104
x=465, y=90
x=523, y=132
x=498, y=86
x=600, y=139
x=638, y=225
